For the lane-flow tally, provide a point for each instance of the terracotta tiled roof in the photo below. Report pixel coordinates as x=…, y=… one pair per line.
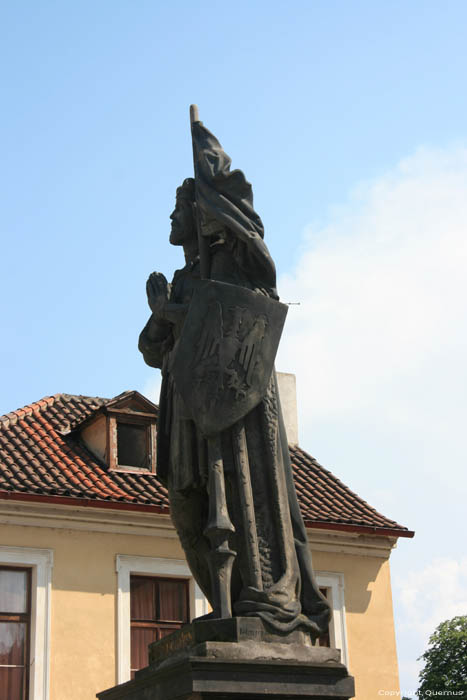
x=325, y=499
x=41, y=456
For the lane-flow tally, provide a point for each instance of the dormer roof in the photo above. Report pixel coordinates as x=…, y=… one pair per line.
x=132, y=401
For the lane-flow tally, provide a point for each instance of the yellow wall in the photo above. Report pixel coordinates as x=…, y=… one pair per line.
x=84, y=587
x=83, y=622
x=369, y=620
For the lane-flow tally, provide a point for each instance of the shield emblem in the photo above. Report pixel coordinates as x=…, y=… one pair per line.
x=224, y=358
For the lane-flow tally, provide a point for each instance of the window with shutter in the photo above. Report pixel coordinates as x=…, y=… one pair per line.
x=131, y=441
x=15, y=622
x=158, y=606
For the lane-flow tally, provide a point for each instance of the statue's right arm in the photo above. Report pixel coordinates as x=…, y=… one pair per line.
x=155, y=341
x=165, y=323
x=163, y=310
x=173, y=313
x=156, y=338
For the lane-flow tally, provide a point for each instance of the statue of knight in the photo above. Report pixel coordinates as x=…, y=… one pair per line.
x=222, y=446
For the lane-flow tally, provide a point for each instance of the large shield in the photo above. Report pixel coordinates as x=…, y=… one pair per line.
x=224, y=358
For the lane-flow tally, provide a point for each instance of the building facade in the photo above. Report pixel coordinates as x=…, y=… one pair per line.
x=91, y=569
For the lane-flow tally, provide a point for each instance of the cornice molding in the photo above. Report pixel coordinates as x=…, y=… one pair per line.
x=351, y=543
x=86, y=519
x=124, y=522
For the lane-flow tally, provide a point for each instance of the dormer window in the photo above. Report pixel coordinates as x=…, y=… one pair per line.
x=132, y=441
x=133, y=445
x=123, y=434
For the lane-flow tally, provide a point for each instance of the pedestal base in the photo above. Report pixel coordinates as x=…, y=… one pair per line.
x=236, y=659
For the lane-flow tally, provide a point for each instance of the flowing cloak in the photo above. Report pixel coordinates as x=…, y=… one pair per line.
x=290, y=598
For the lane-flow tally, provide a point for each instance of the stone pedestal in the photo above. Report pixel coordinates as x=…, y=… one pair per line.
x=236, y=659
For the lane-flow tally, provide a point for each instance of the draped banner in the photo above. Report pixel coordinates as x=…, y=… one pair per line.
x=225, y=202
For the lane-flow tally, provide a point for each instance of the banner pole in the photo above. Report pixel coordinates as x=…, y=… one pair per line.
x=219, y=525
x=203, y=242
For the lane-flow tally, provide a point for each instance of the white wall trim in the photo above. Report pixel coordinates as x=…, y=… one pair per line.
x=41, y=563
x=334, y=582
x=126, y=565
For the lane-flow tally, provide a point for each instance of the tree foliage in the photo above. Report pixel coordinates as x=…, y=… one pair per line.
x=445, y=671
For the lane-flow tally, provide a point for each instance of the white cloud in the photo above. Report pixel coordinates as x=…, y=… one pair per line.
x=436, y=593
x=426, y=598
x=383, y=296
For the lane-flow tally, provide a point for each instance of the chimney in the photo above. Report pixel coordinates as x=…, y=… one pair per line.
x=288, y=396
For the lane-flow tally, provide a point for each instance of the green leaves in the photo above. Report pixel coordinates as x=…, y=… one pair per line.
x=445, y=671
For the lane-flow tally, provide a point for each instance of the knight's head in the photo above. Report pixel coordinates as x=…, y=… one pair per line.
x=183, y=229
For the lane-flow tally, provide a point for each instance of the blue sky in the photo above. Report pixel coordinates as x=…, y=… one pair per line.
x=349, y=118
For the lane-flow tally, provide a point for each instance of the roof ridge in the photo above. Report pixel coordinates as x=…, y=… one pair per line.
x=82, y=396
x=12, y=417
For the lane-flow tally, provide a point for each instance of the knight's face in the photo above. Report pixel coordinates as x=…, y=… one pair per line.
x=183, y=225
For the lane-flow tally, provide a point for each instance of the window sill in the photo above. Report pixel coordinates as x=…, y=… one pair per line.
x=132, y=470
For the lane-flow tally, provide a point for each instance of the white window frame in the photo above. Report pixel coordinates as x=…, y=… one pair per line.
x=40, y=561
x=127, y=565
x=334, y=582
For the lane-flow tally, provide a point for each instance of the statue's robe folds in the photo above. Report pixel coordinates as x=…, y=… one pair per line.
x=290, y=598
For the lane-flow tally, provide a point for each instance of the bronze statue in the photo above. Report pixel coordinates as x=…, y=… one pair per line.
x=222, y=449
